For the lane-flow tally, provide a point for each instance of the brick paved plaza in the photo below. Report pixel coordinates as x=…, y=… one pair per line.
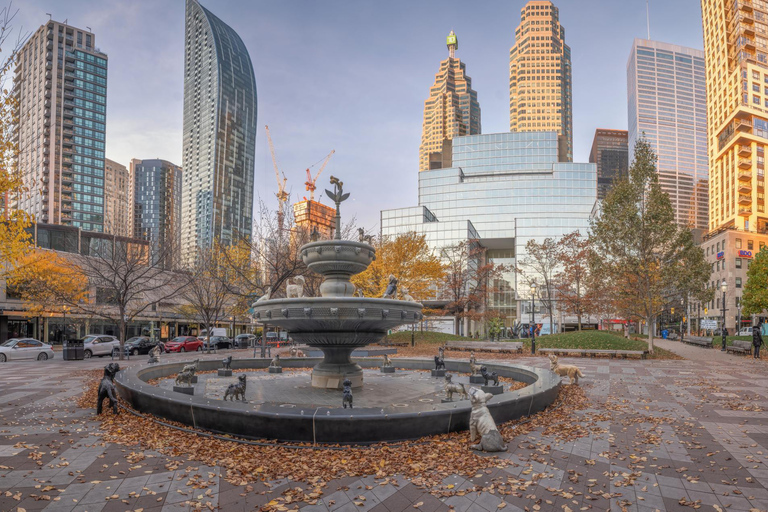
x=682, y=435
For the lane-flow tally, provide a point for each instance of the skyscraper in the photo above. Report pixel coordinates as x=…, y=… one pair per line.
x=736, y=52
x=219, y=133
x=117, y=201
x=666, y=100
x=609, y=153
x=450, y=111
x=540, y=76
x=60, y=83
x=155, y=193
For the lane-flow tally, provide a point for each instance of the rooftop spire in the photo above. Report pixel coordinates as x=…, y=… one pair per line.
x=453, y=44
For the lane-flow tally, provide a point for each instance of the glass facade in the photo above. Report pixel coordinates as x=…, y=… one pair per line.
x=219, y=133
x=156, y=199
x=506, y=189
x=610, y=152
x=666, y=91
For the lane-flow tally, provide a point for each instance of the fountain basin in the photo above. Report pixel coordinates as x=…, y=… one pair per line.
x=337, y=326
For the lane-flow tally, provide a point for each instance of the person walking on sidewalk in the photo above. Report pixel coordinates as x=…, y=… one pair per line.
x=757, y=341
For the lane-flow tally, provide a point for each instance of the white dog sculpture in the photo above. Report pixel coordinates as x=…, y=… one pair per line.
x=295, y=290
x=481, y=424
x=405, y=295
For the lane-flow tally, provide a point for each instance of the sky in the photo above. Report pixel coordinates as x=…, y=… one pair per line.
x=353, y=76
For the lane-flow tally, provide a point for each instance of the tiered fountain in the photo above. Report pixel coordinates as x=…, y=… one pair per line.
x=337, y=322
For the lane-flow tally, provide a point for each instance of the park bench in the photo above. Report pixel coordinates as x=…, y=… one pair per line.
x=594, y=352
x=740, y=347
x=486, y=346
x=696, y=340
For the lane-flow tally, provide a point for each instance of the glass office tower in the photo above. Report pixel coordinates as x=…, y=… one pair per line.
x=667, y=102
x=219, y=133
x=504, y=190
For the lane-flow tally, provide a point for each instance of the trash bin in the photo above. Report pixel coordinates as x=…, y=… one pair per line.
x=73, y=350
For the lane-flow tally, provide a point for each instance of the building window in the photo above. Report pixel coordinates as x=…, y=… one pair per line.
x=718, y=265
x=762, y=245
x=738, y=282
x=738, y=243
x=750, y=245
x=738, y=262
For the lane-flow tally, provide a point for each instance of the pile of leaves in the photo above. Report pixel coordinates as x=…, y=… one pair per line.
x=427, y=462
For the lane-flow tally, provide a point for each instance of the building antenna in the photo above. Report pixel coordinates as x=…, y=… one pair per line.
x=648, y=17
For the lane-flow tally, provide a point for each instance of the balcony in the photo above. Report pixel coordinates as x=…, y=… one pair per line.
x=745, y=6
x=69, y=56
x=744, y=199
x=67, y=141
x=66, y=177
x=66, y=160
x=743, y=125
x=745, y=150
x=745, y=163
x=745, y=211
x=745, y=187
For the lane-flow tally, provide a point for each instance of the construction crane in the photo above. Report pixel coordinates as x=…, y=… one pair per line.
x=282, y=195
x=310, y=183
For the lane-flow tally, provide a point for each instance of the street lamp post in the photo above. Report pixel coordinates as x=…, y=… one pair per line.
x=533, y=318
x=723, y=287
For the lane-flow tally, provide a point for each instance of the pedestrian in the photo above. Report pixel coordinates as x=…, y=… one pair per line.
x=757, y=340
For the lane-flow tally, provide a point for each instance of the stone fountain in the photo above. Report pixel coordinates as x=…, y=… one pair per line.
x=337, y=322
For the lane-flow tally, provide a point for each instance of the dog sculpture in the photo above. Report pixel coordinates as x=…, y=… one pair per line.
x=275, y=361
x=482, y=428
x=191, y=367
x=295, y=290
x=474, y=368
x=295, y=352
x=439, y=363
x=266, y=295
x=405, y=295
x=346, y=394
x=386, y=362
x=107, y=387
x=451, y=388
x=391, y=291
x=154, y=354
x=493, y=376
x=226, y=363
x=562, y=370
x=235, y=390
x=362, y=237
x=185, y=376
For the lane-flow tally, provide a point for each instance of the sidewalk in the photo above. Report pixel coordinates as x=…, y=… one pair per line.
x=695, y=353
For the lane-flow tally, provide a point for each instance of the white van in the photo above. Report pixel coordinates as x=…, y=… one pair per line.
x=216, y=331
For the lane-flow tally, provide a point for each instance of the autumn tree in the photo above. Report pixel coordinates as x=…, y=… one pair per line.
x=125, y=280
x=754, y=300
x=691, y=273
x=459, y=261
x=46, y=282
x=636, y=240
x=14, y=236
x=409, y=258
x=540, y=266
x=572, y=280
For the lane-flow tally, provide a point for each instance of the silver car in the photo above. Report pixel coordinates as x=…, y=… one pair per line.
x=99, y=345
x=25, y=348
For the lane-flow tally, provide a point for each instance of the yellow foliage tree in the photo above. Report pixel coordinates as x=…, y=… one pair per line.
x=408, y=258
x=46, y=282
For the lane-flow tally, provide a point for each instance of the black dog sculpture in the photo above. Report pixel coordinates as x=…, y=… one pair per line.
x=226, y=363
x=235, y=390
x=439, y=363
x=347, y=394
x=107, y=387
x=493, y=376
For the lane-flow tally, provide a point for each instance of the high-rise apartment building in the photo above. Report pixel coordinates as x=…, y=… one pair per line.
x=450, y=111
x=736, y=49
x=117, y=202
x=666, y=103
x=60, y=83
x=540, y=93
x=312, y=215
x=219, y=133
x=155, y=192
x=610, y=155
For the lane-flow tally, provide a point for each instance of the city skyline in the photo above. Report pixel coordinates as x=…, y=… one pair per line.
x=293, y=47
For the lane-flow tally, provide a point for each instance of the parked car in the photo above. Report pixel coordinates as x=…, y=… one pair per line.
x=184, y=344
x=139, y=345
x=218, y=342
x=745, y=331
x=216, y=331
x=99, y=345
x=245, y=340
x=25, y=348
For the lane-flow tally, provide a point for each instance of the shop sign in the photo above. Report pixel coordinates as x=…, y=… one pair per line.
x=721, y=255
x=744, y=254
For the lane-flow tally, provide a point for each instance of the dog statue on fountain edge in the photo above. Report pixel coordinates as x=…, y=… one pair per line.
x=107, y=387
x=482, y=428
x=346, y=394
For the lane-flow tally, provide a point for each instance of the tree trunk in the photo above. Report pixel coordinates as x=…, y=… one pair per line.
x=579, y=319
x=651, y=328
x=122, y=337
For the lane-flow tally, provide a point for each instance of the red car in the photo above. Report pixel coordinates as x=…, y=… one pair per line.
x=184, y=344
